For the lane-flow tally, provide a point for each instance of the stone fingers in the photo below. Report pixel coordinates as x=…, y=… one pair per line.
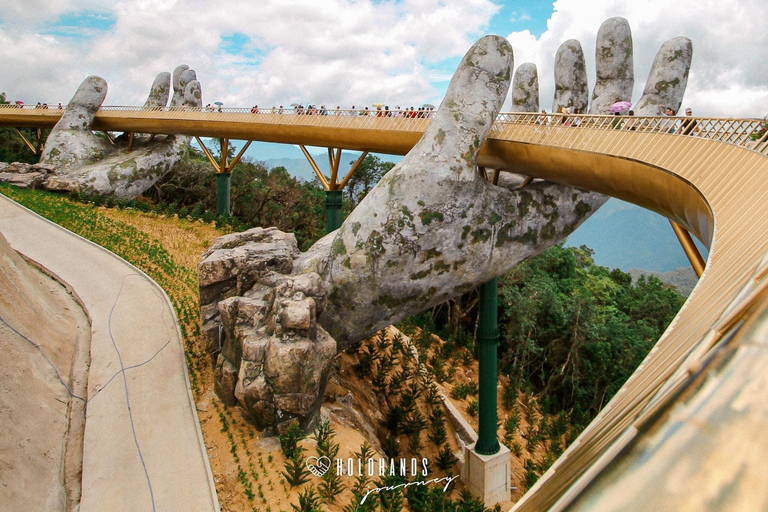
x=614, y=62
x=462, y=122
x=668, y=77
x=178, y=89
x=571, y=90
x=161, y=88
x=525, y=88
x=84, y=104
x=186, y=88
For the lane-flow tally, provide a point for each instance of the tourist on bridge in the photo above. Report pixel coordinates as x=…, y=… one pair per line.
x=689, y=124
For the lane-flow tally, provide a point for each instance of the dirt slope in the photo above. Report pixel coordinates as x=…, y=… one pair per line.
x=40, y=455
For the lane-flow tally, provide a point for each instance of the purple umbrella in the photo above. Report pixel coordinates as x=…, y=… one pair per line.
x=620, y=106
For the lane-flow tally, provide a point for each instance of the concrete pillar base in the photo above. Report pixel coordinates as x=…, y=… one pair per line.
x=487, y=476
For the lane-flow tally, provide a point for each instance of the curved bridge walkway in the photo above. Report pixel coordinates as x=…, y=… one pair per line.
x=713, y=182
x=142, y=449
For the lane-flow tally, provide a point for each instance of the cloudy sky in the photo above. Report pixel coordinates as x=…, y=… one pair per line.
x=357, y=52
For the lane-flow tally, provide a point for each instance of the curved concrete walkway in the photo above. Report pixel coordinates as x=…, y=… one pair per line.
x=143, y=449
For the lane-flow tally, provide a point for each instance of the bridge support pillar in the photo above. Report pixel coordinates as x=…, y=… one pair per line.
x=223, y=173
x=332, y=210
x=487, y=464
x=37, y=147
x=693, y=254
x=223, y=187
x=333, y=187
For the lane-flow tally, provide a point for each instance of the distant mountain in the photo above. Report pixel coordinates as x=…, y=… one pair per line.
x=684, y=279
x=300, y=167
x=626, y=236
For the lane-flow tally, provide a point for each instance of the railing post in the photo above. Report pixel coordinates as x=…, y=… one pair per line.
x=223, y=183
x=332, y=210
x=487, y=346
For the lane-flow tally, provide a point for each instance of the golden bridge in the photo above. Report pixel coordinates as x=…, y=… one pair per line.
x=688, y=428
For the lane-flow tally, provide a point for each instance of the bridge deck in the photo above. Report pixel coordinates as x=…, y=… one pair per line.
x=712, y=182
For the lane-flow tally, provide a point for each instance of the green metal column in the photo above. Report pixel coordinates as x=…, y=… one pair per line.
x=487, y=346
x=223, y=182
x=332, y=210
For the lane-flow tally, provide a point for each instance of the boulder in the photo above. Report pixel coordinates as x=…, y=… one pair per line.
x=275, y=359
x=24, y=175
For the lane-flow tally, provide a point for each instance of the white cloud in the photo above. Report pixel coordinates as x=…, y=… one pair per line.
x=730, y=46
x=516, y=17
x=318, y=51
x=342, y=52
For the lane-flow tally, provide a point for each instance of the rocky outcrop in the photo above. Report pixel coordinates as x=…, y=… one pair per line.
x=614, y=63
x=525, y=88
x=275, y=359
x=571, y=90
x=85, y=162
x=24, y=175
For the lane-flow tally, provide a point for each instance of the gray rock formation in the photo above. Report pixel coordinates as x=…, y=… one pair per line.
x=571, y=89
x=24, y=175
x=668, y=78
x=86, y=162
x=615, y=69
x=275, y=358
x=525, y=88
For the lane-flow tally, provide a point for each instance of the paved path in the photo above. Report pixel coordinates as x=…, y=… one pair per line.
x=143, y=447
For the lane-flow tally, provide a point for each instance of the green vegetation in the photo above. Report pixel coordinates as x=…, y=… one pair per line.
x=573, y=332
x=12, y=148
x=259, y=197
x=370, y=171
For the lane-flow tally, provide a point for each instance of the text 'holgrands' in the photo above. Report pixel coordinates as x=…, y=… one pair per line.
x=382, y=467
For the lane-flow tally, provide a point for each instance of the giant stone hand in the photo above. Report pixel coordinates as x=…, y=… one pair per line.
x=84, y=161
x=431, y=229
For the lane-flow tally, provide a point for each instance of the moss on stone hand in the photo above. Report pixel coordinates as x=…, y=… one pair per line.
x=427, y=216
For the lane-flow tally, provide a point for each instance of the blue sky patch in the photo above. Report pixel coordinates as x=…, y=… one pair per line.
x=519, y=15
x=80, y=25
x=234, y=44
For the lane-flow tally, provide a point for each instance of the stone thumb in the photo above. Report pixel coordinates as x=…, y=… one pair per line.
x=84, y=104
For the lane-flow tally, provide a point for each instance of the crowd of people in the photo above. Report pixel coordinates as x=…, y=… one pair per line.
x=313, y=110
x=626, y=121
x=686, y=126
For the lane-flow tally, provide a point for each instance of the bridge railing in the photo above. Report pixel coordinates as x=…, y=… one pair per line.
x=749, y=133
